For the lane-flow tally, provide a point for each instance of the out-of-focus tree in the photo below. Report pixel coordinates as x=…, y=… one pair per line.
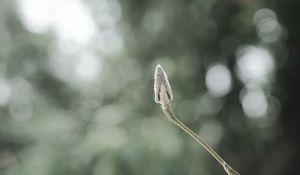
x=76, y=86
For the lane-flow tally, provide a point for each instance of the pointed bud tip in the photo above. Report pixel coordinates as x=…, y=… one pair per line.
x=162, y=89
x=159, y=70
x=158, y=67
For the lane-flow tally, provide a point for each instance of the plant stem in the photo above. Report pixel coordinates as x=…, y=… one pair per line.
x=171, y=116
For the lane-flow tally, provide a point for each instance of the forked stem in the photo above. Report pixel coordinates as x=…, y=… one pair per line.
x=171, y=116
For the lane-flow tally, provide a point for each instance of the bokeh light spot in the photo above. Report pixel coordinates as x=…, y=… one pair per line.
x=212, y=132
x=254, y=103
x=218, y=80
x=5, y=92
x=254, y=64
x=88, y=67
x=70, y=20
x=209, y=105
x=268, y=28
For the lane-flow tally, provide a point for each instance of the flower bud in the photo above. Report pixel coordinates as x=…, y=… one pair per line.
x=162, y=89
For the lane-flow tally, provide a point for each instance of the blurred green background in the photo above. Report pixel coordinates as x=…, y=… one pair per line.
x=76, y=86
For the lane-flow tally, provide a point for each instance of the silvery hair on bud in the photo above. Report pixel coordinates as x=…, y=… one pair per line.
x=162, y=89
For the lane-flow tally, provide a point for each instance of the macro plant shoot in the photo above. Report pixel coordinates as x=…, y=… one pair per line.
x=163, y=96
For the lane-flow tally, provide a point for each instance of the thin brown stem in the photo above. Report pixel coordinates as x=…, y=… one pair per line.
x=171, y=116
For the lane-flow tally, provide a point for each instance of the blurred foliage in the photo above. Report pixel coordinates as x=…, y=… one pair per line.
x=76, y=86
